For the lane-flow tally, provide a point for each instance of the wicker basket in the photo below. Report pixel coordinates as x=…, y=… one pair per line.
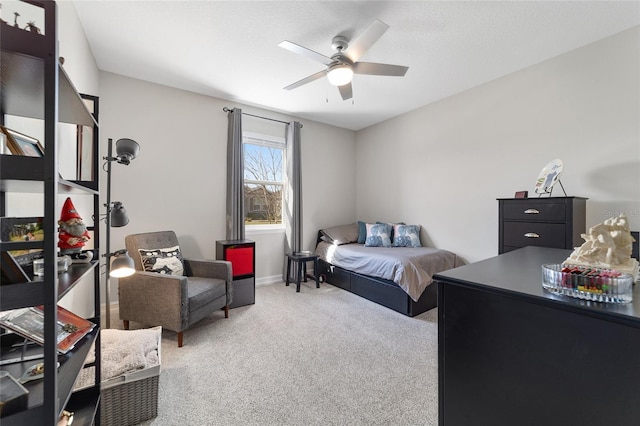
x=131, y=398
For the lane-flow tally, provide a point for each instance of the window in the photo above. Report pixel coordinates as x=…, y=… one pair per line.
x=264, y=158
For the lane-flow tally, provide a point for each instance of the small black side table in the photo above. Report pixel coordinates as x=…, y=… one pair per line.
x=301, y=259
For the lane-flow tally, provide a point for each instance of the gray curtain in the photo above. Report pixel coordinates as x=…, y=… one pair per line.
x=235, y=177
x=293, y=193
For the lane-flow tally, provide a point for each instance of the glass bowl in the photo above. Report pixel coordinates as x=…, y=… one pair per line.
x=583, y=282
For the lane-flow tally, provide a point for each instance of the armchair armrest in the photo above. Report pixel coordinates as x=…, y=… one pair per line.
x=220, y=269
x=208, y=269
x=154, y=299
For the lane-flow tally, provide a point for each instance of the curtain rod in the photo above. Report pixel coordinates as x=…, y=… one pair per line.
x=225, y=109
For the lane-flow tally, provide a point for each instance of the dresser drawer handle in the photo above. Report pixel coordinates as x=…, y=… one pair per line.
x=531, y=211
x=531, y=235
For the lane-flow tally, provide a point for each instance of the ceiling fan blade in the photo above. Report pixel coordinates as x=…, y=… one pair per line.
x=306, y=80
x=365, y=40
x=372, y=68
x=346, y=91
x=307, y=53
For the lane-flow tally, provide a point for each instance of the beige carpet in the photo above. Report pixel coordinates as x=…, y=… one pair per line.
x=318, y=357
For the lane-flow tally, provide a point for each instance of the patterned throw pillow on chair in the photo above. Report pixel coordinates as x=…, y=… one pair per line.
x=163, y=261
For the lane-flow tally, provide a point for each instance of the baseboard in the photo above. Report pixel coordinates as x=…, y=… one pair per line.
x=274, y=279
x=269, y=280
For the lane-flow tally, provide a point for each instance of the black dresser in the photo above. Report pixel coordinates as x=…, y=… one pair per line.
x=555, y=222
x=512, y=353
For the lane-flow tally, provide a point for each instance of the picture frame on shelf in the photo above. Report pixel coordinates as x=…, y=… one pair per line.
x=3, y=144
x=84, y=150
x=10, y=271
x=18, y=229
x=21, y=229
x=86, y=142
x=21, y=144
x=14, y=397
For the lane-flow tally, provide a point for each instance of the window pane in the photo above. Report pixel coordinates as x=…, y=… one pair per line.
x=263, y=163
x=263, y=204
x=264, y=183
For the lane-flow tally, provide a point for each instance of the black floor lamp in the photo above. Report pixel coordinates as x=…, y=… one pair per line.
x=118, y=263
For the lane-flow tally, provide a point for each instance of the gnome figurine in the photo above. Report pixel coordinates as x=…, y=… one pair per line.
x=72, y=234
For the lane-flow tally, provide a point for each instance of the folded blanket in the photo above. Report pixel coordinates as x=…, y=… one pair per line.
x=123, y=351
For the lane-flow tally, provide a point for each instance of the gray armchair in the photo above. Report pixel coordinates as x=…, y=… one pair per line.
x=174, y=302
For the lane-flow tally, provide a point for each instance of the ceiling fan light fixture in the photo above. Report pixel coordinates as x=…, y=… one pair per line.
x=340, y=74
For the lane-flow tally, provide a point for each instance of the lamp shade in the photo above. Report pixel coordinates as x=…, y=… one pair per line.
x=126, y=150
x=122, y=266
x=118, y=215
x=340, y=74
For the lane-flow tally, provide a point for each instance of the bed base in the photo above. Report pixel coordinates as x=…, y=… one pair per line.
x=378, y=290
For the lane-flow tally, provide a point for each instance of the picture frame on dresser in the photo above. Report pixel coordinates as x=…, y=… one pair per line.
x=521, y=194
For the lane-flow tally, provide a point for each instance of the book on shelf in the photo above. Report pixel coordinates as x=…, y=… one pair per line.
x=29, y=323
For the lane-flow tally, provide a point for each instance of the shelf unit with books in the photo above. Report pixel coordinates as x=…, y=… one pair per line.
x=35, y=86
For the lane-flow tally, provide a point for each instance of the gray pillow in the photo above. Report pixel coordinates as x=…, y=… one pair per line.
x=343, y=234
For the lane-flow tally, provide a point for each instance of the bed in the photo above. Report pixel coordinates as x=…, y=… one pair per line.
x=395, y=276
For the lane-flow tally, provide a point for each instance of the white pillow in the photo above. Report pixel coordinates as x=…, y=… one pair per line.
x=163, y=261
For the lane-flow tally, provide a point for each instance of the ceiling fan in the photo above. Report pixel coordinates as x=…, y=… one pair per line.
x=342, y=65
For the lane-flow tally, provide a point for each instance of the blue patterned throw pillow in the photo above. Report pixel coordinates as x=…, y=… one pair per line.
x=362, y=232
x=378, y=235
x=406, y=236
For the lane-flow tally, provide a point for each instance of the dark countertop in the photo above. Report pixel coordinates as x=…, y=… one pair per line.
x=519, y=274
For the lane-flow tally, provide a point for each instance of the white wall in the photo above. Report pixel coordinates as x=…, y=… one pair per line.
x=444, y=165
x=79, y=63
x=178, y=181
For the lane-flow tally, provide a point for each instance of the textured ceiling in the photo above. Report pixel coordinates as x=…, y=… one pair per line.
x=229, y=49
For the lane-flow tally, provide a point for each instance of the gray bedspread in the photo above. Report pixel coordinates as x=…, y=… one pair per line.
x=410, y=268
